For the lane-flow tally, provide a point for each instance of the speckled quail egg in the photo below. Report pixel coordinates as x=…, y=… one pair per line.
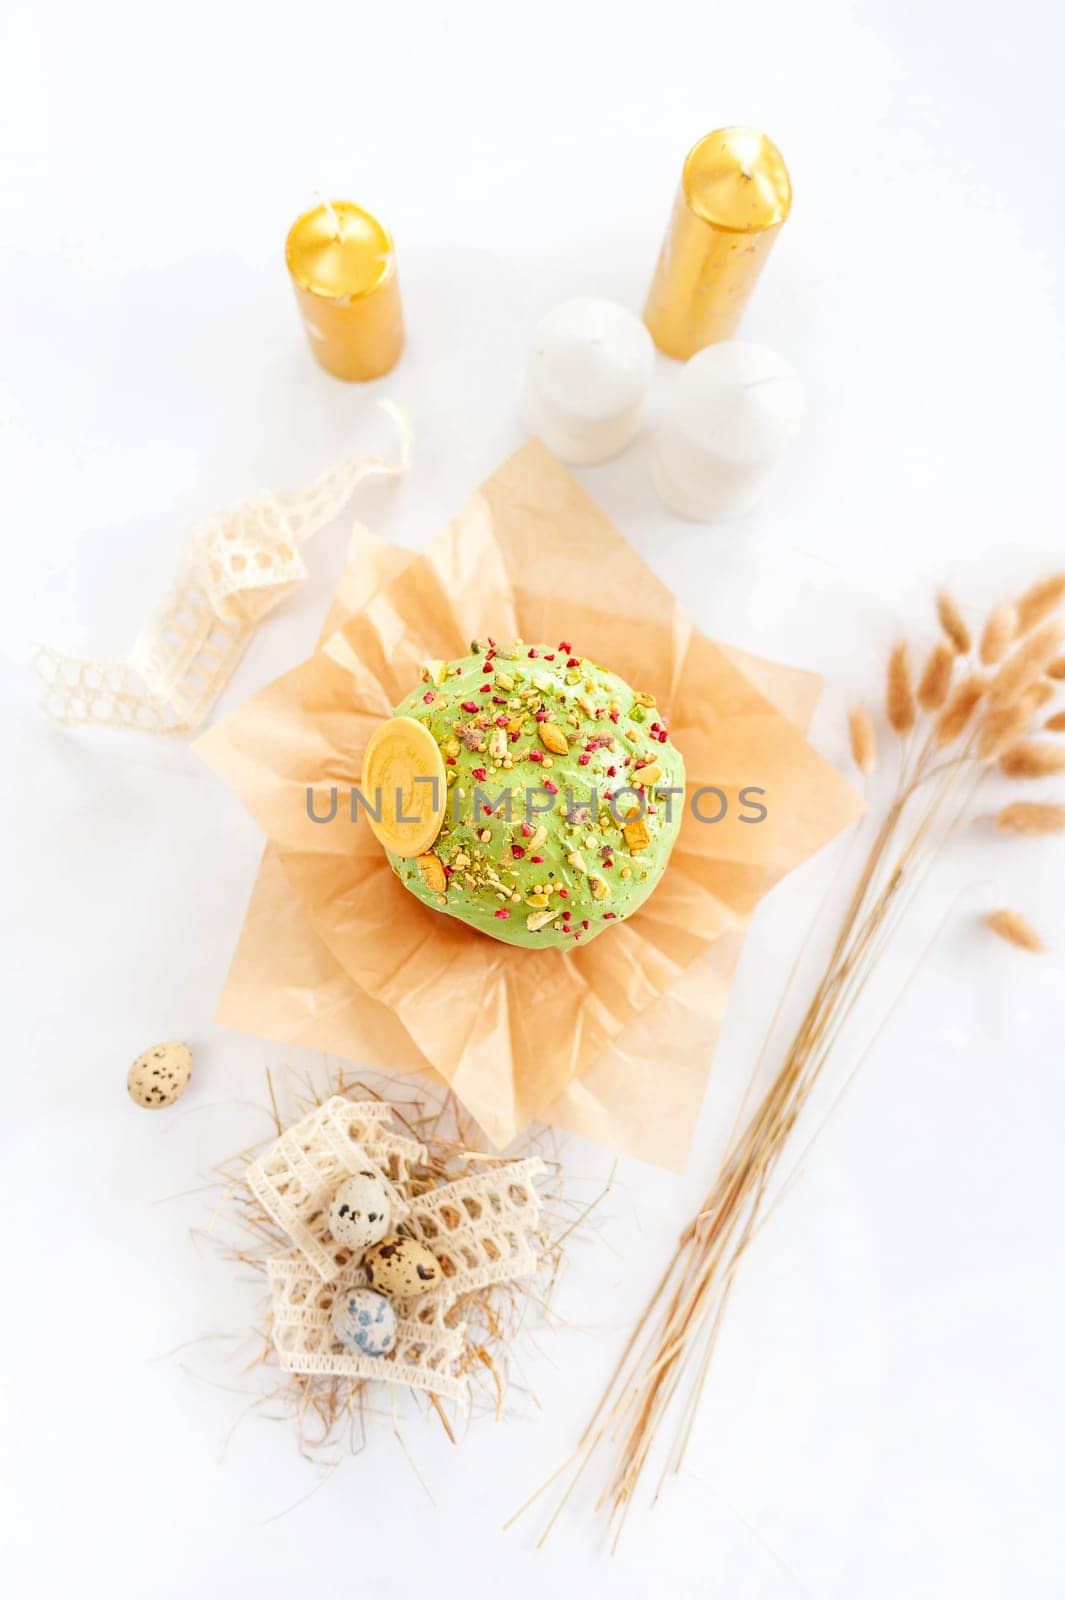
x=402, y=1267
x=364, y=1322
x=360, y=1212
x=160, y=1076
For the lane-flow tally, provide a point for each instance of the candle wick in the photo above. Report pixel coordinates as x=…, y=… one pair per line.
x=330, y=213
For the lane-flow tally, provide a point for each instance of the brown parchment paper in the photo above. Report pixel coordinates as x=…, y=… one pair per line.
x=614, y=1039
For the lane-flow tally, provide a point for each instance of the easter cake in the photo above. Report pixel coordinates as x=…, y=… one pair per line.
x=537, y=795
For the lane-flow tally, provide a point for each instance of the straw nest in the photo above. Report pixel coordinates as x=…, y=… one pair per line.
x=332, y=1415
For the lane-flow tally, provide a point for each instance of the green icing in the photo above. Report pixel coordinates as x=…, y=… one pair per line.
x=576, y=858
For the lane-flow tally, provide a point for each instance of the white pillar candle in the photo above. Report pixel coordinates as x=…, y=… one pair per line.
x=735, y=409
x=588, y=371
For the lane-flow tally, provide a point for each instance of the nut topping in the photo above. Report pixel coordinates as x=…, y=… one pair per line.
x=539, y=919
x=433, y=875
x=552, y=738
x=637, y=834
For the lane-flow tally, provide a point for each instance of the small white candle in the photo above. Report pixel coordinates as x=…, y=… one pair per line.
x=588, y=372
x=735, y=409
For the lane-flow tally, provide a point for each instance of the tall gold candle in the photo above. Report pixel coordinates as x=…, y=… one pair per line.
x=734, y=197
x=343, y=268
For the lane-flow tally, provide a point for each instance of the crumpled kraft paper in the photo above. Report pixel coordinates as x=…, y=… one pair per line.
x=614, y=1039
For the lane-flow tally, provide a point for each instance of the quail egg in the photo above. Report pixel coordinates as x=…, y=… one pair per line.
x=360, y=1213
x=402, y=1267
x=364, y=1322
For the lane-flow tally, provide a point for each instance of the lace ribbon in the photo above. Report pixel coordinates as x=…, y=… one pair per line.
x=483, y=1229
x=239, y=565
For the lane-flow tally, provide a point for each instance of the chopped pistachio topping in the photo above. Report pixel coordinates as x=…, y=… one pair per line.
x=560, y=737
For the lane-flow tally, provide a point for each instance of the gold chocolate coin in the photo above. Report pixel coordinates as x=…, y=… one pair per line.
x=404, y=786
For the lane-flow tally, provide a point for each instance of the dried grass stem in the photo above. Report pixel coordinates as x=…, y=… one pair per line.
x=1030, y=818
x=940, y=777
x=901, y=707
x=953, y=623
x=1038, y=602
x=999, y=633
x=1012, y=927
x=863, y=740
x=934, y=686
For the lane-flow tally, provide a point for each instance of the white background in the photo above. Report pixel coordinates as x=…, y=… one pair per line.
x=885, y=1414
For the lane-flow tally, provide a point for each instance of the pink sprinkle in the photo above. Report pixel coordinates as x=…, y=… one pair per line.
x=429, y=698
x=611, y=772
x=563, y=894
x=537, y=859
x=517, y=851
x=469, y=705
x=488, y=667
x=614, y=715
x=480, y=774
x=566, y=915
x=551, y=657
x=502, y=914
x=451, y=761
x=533, y=654
x=486, y=688
x=572, y=662
x=582, y=761
x=499, y=700
x=515, y=736
x=492, y=642
x=501, y=722
x=541, y=716
x=609, y=916
x=586, y=923
x=609, y=861
x=487, y=810
x=565, y=646
x=662, y=737
x=552, y=788
x=527, y=831
x=536, y=755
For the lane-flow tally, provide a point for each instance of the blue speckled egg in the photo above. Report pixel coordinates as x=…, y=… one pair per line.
x=364, y=1322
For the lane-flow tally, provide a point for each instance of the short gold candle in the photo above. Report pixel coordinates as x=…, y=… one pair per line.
x=343, y=268
x=735, y=195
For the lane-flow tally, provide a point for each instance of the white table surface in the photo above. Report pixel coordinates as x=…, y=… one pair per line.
x=885, y=1414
